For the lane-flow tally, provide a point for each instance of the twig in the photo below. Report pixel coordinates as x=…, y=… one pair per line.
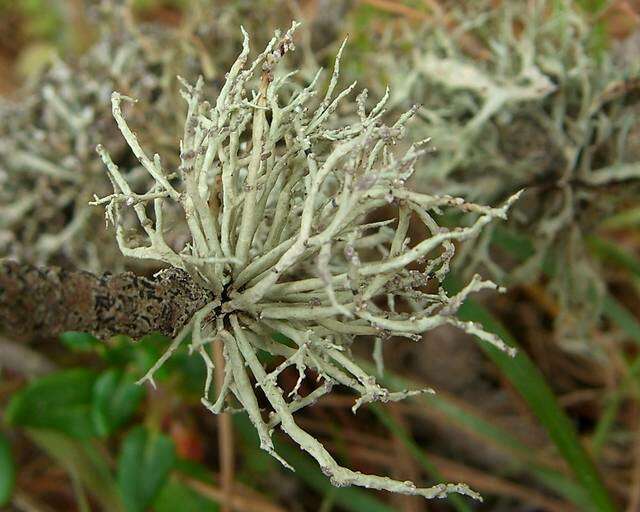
x=45, y=302
x=239, y=501
x=634, y=497
x=23, y=360
x=225, y=434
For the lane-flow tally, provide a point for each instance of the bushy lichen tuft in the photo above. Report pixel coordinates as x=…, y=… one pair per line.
x=514, y=98
x=278, y=193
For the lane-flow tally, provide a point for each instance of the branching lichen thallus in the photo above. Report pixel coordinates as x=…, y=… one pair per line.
x=277, y=191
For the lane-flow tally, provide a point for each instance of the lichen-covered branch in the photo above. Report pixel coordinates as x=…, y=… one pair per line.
x=278, y=191
x=45, y=302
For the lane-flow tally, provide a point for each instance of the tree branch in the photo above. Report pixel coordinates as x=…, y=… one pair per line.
x=45, y=302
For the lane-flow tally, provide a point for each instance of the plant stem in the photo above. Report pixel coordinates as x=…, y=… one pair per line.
x=45, y=302
x=225, y=435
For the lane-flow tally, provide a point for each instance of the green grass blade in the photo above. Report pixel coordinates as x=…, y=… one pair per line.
x=626, y=219
x=529, y=381
x=7, y=471
x=611, y=408
x=609, y=251
x=611, y=308
x=458, y=415
x=621, y=316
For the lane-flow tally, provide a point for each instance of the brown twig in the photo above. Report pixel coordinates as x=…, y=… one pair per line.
x=398, y=8
x=23, y=360
x=634, y=498
x=48, y=301
x=225, y=435
x=238, y=501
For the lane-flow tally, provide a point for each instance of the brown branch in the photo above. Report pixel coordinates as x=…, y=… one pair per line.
x=225, y=436
x=45, y=302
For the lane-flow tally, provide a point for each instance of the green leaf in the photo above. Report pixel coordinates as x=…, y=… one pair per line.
x=143, y=467
x=60, y=401
x=177, y=496
x=138, y=355
x=7, y=471
x=191, y=372
x=116, y=397
x=79, y=341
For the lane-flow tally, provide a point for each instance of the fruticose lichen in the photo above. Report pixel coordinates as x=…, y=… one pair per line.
x=514, y=98
x=48, y=169
x=278, y=191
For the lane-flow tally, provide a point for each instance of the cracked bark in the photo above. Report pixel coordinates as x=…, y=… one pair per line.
x=44, y=302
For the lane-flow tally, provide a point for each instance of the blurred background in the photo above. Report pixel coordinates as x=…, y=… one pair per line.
x=535, y=95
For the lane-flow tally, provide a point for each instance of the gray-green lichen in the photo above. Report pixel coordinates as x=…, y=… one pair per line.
x=277, y=191
x=514, y=98
x=48, y=169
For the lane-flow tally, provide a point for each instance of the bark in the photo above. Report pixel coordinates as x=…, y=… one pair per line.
x=44, y=302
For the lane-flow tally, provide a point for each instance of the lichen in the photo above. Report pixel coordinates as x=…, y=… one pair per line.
x=48, y=132
x=514, y=98
x=277, y=191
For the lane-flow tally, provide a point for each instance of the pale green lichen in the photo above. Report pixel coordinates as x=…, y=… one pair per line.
x=277, y=192
x=48, y=169
x=514, y=98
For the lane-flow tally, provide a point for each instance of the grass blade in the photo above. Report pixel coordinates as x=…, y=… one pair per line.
x=609, y=251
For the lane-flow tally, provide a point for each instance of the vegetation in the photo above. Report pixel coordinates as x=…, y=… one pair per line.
x=312, y=223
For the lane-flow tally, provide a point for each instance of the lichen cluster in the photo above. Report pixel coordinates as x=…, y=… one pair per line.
x=516, y=98
x=48, y=168
x=278, y=192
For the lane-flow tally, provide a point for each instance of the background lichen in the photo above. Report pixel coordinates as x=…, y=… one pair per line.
x=515, y=98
